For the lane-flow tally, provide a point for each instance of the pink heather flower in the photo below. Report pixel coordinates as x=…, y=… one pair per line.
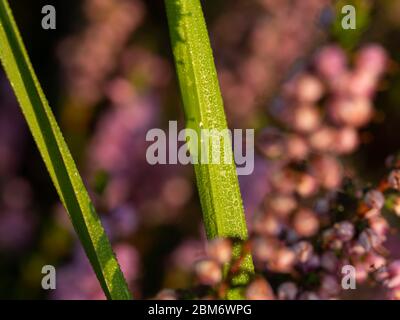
x=394, y=179
x=305, y=118
x=308, y=88
x=305, y=223
x=329, y=261
x=296, y=147
x=372, y=58
x=346, y=140
x=259, y=289
x=331, y=62
x=220, y=250
x=304, y=250
x=344, y=230
x=328, y=171
x=208, y=272
x=374, y=199
x=166, y=294
x=394, y=274
x=287, y=291
x=283, y=260
x=329, y=286
x=353, y=112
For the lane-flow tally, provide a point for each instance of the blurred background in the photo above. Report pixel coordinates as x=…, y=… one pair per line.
x=108, y=74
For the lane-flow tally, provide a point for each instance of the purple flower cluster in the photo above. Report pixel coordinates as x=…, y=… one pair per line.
x=315, y=220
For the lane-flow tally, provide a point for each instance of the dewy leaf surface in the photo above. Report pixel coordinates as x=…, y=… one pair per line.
x=57, y=157
x=217, y=183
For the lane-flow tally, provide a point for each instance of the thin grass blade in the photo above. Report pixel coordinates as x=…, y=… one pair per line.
x=217, y=182
x=57, y=157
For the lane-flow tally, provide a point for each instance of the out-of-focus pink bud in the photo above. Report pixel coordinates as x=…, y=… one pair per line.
x=361, y=83
x=328, y=171
x=287, y=291
x=208, y=272
x=270, y=143
x=394, y=179
x=355, y=112
x=305, y=223
x=220, y=250
x=372, y=58
x=329, y=286
x=259, y=289
x=308, y=88
x=331, y=62
x=307, y=185
x=346, y=140
x=305, y=118
x=329, y=261
x=379, y=225
x=281, y=204
x=166, y=294
x=309, y=295
x=394, y=274
x=283, y=261
x=304, y=250
x=374, y=199
x=267, y=224
x=263, y=249
x=296, y=147
x=344, y=230
x=323, y=139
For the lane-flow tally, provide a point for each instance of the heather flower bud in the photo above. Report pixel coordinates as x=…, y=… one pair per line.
x=328, y=171
x=394, y=274
x=308, y=88
x=306, y=118
x=396, y=206
x=208, y=272
x=329, y=286
x=394, y=179
x=379, y=225
x=344, y=230
x=346, y=140
x=305, y=223
x=259, y=289
x=309, y=295
x=323, y=139
x=287, y=291
x=263, y=249
x=355, y=112
x=166, y=294
x=368, y=239
x=372, y=58
x=307, y=185
x=313, y=263
x=220, y=250
x=270, y=143
x=282, y=204
x=303, y=250
x=329, y=261
x=296, y=147
x=283, y=260
x=331, y=62
x=361, y=83
x=374, y=199
x=267, y=224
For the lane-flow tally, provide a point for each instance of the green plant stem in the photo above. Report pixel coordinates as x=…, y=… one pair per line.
x=217, y=183
x=57, y=157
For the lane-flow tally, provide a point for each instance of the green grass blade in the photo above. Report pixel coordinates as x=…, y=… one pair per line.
x=217, y=183
x=57, y=157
